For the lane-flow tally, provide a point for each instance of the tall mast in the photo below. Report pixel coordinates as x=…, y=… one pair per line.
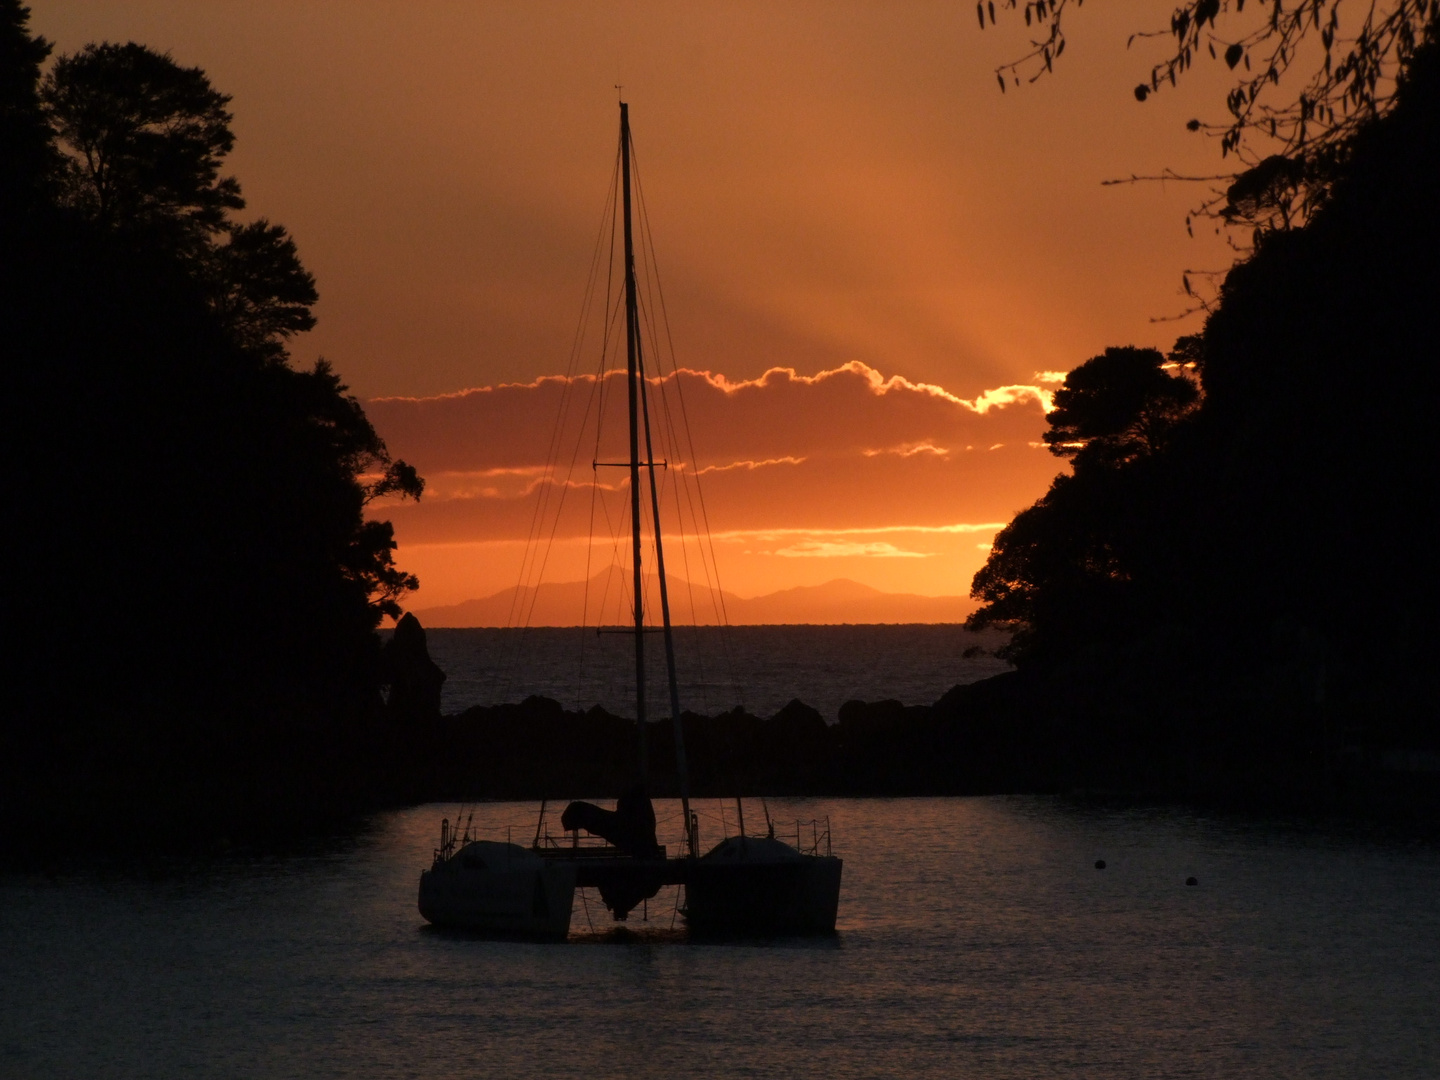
x=640, y=409
x=632, y=366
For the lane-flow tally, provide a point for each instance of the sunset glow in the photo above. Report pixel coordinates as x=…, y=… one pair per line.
x=877, y=267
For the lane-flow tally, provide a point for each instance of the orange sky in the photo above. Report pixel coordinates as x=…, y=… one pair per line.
x=829, y=184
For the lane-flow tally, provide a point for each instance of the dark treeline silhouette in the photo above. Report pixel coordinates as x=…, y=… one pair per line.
x=1233, y=591
x=194, y=586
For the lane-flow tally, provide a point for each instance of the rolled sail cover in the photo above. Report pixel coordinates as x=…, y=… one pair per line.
x=630, y=826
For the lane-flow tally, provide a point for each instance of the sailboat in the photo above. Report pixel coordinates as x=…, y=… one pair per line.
x=752, y=885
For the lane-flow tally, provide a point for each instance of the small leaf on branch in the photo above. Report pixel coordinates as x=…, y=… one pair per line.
x=1233, y=55
x=1193, y=125
x=980, y=13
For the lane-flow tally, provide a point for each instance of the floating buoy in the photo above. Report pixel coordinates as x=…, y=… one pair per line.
x=1191, y=881
x=1099, y=864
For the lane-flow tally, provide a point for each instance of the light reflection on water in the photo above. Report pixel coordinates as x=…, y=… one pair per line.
x=976, y=939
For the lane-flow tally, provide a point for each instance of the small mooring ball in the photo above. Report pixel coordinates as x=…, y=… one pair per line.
x=1099, y=864
x=1191, y=881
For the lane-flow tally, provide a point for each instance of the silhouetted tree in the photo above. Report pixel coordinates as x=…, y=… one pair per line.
x=259, y=289
x=200, y=583
x=1065, y=567
x=27, y=156
x=1256, y=584
x=1289, y=143
x=146, y=139
x=1116, y=407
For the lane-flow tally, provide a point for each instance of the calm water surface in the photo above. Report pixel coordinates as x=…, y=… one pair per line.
x=758, y=667
x=976, y=940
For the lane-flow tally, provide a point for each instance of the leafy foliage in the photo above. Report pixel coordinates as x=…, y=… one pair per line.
x=1264, y=541
x=1289, y=142
x=25, y=139
x=1066, y=564
x=145, y=139
x=200, y=584
x=1118, y=406
x=258, y=286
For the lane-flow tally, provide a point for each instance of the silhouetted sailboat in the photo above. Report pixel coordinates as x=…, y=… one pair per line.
x=745, y=884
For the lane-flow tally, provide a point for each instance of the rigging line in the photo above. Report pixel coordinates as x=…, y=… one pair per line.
x=613, y=328
x=615, y=540
x=611, y=315
x=589, y=552
x=690, y=593
x=567, y=398
x=719, y=593
x=682, y=481
x=704, y=537
x=668, y=434
x=599, y=417
x=599, y=422
x=555, y=525
x=538, y=562
x=536, y=522
x=552, y=452
x=654, y=264
x=600, y=379
x=681, y=769
x=522, y=612
x=672, y=449
x=711, y=584
x=585, y=593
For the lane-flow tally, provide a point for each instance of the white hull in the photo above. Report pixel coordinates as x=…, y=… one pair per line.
x=760, y=886
x=497, y=888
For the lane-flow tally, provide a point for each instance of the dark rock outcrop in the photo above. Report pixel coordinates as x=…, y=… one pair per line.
x=414, y=679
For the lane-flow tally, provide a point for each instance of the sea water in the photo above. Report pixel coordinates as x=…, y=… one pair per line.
x=976, y=939
x=759, y=668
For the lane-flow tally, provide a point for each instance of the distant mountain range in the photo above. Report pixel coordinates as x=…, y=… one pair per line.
x=565, y=603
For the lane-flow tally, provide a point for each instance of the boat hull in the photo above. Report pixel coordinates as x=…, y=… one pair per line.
x=520, y=898
x=799, y=897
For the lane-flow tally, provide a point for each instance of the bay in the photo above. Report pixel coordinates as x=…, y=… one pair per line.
x=976, y=939
x=757, y=667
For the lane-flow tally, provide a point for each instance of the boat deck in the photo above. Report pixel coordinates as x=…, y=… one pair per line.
x=596, y=866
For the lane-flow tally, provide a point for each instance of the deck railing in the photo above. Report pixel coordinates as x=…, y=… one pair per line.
x=819, y=835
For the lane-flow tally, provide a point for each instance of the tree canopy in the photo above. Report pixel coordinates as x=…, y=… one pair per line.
x=1246, y=519
x=1066, y=564
x=1118, y=406
x=198, y=582
x=144, y=137
x=1308, y=75
x=26, y=145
